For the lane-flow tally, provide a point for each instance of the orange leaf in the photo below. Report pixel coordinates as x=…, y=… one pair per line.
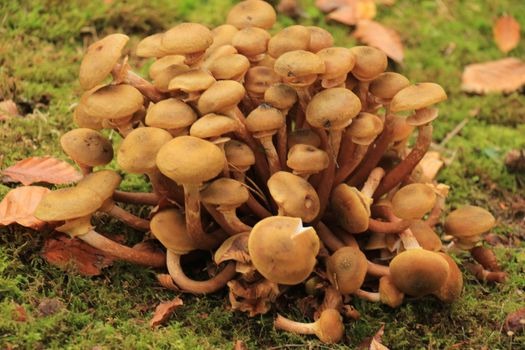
x=19, y=205
x=164, y=310
x=375, y=34
x=8, y=109
x=506, y=33
x=42, y=169
x=353, y=12
x=330, y=5
x=64, y=252
x=505, y=75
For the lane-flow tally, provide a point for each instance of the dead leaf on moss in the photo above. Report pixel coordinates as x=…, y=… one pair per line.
x=290, y=8
x=386, y=39
x=8, y=109
x=164, y=310
x=50, y=306
x=430, y=166
x=19, y=313
x=19, y=205
x=374, y=343
x=505, y=75
x=42, y=169
x=353, y=11
x=240, y=345
x=515, y=321
x=506, y=33
x=166, y=281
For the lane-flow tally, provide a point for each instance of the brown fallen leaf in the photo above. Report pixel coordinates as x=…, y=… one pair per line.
x=8, y=109
x=19, y=313
x=373, y=343
x=19, y=205
x=42, y=169
x=430, y=166
x=515, y=161
x=515, y=321
x=386, y=39
x=50, y=306
x=506, y=33
x=354, y=11
x=240, y=345
x=290, y=8
x=330, y=5
x=164, y=310
x=166, y=281
x=505, y=75
x=64, y=252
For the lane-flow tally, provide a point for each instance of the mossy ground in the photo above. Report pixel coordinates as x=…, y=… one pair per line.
x=41, y=44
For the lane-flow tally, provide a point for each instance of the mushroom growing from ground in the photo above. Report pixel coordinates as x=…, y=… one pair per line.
x=388, y=293
x=329, y=328
x=88, y=148
x=467, y=224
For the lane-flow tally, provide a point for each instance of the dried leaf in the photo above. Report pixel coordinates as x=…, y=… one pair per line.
x=163, y=311
x=505, y=75
x=50, y=306
x=166, y=281
x=240, y=345
x=20, y=204
x=354, y=11
x=375, y=34
x=64, y=252
x=515, y=321
x=330, y=5
x=430, y=166
x=8, y=109
x=19, y=313
x=42, y=169
x=374, y=343
x=290, y=8
x=506, y=33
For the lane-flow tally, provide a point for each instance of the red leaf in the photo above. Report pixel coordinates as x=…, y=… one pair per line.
x=42, y=169
x=20, y=204
x=505, y=75
x=19, y=313
x=375, y=34
x=164, y=310
x=506, y=33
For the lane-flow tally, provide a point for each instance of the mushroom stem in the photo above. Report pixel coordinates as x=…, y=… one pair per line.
x=304, y=95
x=146, y=258
x=403, y=169
x=328, y=238
x=271, y=153
x=85, y=169
x=136, y=197
x=484, y=275
x=363, y=93
x=193, y=217
x=282, y=144
x=486, y=258
x=325, y=187
x=387, y=227
x=349, y=160
x=252, y=203
x=370, y=296
x=141, y=84
x=233, y=220
x=288, y=325
x=126, y=217
x=377, y=270
x=372, y=182
x=435, y=213
x=198, y=287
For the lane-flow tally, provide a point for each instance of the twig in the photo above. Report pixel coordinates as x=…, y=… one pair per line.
x=454, y=132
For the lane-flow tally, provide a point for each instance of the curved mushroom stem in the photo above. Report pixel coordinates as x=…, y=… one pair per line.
x=146, y=258
x=198, y=287
x=435, y=213
x=136, y=197
x=387, y=227
x=141, y=84
x=271, y=153
x=372, y=182
x=85, y=169
x=228, y=224
x=407, y=236
x=403, y=169
x=193, y=218
x=484, y=275
x=349, y=160
x=234, y=221
x=328, y=238
x=486, y=258
x=252, y=203
x=288, y=325
x=370, y=296
x=377, y=270
x=126, y=217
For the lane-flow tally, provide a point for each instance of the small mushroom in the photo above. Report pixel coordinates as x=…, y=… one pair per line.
x=252, y=42
x=257, y=80
x=338, y=62
x=425, y=235
x=306, y=160
x=388, y=293
x=222, y=36
x=329, y=328
x=88, y=148
x=172, y=115
x=413, y=201
x=346, y=269
x=467, y=224
x=386, y=86
x=452, y=288
x=230, y=67
x=304, y=137
x=151, y=46
x=292, y=38
x=369, y=64
x=419, y=97
x=252, y=13
x=188, y=39
x=190, y=85
x=319, y=39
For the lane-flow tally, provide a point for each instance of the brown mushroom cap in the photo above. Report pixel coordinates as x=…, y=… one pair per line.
x=221, y=97
x=346, y=269
x=213, y=125
x=221, y=51
x=422, y=116
x=400, y=128
x=333, y=108
x=233, y=248
x=102, y=182
x=85, y=120
x=264, y=119
x=293, y=66
x=222, y=35
x=165, y=76
x=469, y=221
x=67, y=203
x=186, y=38
x=294, y=195
x=369, y=62
x=282, y=250
x=170, y=114
x=251, y=41
x=319, y=39
x=87, y=147
x=389, y=293
x=114, y=102
x=138, y=150
x=290, y=38
x=388, y=84
x=419, y=272
x=337, y=61
x=413, y=201
x=330, y=326
x=232, y=67
x=162, y=63
x=169, y=227
x=305, y=137
x=239, y=155
x=352, y=208
x=306, y=159
x=225, y=193
x=252, y=13
x=100, y=59
x=190, y=160
x=258, y=79
x=280, y=96
x=150, y=46
x=417, y=96
x=425, y=235
x=451, y=290
x=365, y=128
x=193, y=80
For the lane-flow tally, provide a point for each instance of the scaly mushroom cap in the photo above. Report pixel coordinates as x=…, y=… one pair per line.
x=425, y=235
x=319, y=39
x=114, y=102
x=224, y=192
x=419, y=272
x=296, y=66
x=417, y=96
x=239, y=155
x=138, y=151
x=280, y=96
x=413, y=201
x=191, y=81
x=251, y=41
x=67, y=203
x=186, y=38
x=169, y=227
x=265, y=119
x=337, y=61
x=305, y=137
x=469, y=221
x=352, y=208
x=330, y=327
x=258, y=79
x=232, y=67
x=221, y=96
x=170, y=114
x=87, y=147
x=365, y=128
x=291, y=38
x=252, y=13
x=102, y=182
x=306, y=159
x=294, y=195
x=451, y=290
x=346, y=269
x=388, y=292
x=333, y=109
x=369, y=62
x=100, y=59
x=213, y=125
x=282, y=250
x=190, y=160
x=151, y=46
x=388, y=84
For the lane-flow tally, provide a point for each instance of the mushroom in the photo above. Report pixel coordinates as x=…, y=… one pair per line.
x=282, y=250
x=413, y=201
x=219, y=52
x=251, y=42
x=87, y=148
x=230, y=67
x=319, y=39
x=386, y=86
x=252, y=13
x=85, y=120
x=452, y=288
x=151, y=46
x=172, y=115
x=425, y=235
x=188, y=39
x=388, y=293
x=338, y=62
x=166, y=74
x=419, y=97
x=190, y=85
x=306, y=160
x=369, y=64
x=467, y=223
x=222, y=36
x=257, y=80
x=288, y=39
x=304, y=137
x=346, y=269
x=329, y=328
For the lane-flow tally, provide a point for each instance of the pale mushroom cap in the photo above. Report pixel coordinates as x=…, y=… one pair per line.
x=67, y=203
x=282, y=250
x=192, y=81
x=258, y=79
x=319, y=39
x=252, y=13
x=306, y=159
x=114, y=102
x=364, y=128
x=387, y=84
x=419, y=272
x=251, y=41
x=190, y=160
x=417, y=96
x=305, y=137
x=452, y=289
x=291, y=38
x=217, y=53
x=425, y=235
x=294, y=195
x=221, y=96
x=338, y=61
x=346, y=269
x=239, y=154
x=87, y=147
x=150, y=46
x=264, y=118
x=225, y=192
x=333, y=108
x=280, y=96
x=100, y=59
x=186, y=38
x=413, y=201
x=298, y=63
x=169, y=227
x=102, y=182
x=230, y=67
x=213, y=125
x=369, y=63
x=138, y=150
x=170, y=114
x=162, y=63
x=469, y=221
x=352, y=208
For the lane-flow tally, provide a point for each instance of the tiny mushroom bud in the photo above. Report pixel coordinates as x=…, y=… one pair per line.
x=88, y=148
x=329, y=328
x=252, y=13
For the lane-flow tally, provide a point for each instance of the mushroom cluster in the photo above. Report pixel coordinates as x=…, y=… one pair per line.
x=285, y=157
